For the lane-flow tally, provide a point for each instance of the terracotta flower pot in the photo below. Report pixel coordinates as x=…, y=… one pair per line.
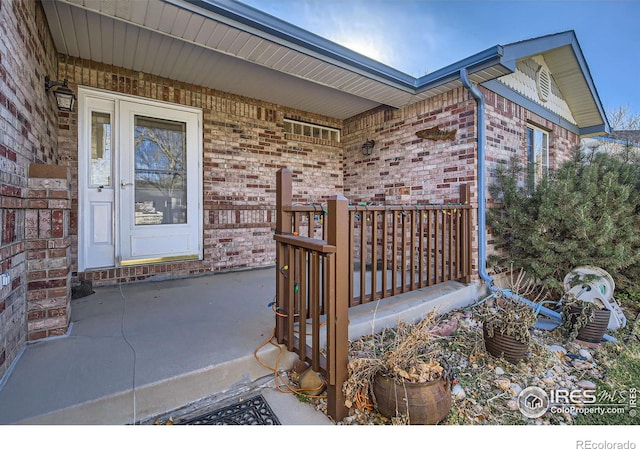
x=423, y=403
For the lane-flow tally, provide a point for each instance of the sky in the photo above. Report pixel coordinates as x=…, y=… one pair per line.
x=422, y=36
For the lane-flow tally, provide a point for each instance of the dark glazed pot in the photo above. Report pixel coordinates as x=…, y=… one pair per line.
x=595, y=330
x=504, y=346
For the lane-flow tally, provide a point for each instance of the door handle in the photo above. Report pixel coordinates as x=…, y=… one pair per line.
x=125, y=184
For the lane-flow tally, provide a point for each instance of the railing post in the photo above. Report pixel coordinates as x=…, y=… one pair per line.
x=465, y=231
x=284, y=198
x=338, y=307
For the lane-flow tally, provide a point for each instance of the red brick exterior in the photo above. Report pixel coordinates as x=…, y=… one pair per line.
x=48, y=252
x=244, y=145
x=506, y=138
x=404, y=169
x=27, y=135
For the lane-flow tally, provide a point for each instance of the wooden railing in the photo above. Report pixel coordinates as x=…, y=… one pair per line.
x=335, y=256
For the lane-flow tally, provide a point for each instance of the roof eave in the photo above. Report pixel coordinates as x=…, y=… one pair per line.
x=488, y=58
x=522, y=49
x=255, y=21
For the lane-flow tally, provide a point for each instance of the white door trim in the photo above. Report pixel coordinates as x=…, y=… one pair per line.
x=85, y=97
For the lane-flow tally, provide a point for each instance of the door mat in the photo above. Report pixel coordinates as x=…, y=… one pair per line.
x=250, y=412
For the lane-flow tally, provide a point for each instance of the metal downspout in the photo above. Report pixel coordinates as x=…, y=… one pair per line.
x=482, y=209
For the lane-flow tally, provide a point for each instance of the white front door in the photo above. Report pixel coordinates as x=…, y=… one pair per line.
x=148, y=207
x=159, y=195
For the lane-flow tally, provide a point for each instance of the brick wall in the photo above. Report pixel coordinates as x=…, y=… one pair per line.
x=506, y=138
x=244, y=145
x=27, y=135
x=48, y=252
x=404, y=169
x=506, y=134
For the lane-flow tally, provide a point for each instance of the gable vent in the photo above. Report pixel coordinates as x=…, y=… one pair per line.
x=543, y=83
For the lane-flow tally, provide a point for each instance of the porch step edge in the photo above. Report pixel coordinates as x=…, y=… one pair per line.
x=373, y=317
x=158, y=397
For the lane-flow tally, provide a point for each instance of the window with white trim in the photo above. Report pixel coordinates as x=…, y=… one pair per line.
x=537, y=156
x=310, y=130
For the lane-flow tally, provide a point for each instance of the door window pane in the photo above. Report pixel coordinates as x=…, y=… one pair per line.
x=160, y=171
x=100, y=149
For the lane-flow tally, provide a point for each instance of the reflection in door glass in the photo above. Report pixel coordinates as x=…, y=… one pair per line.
x=100, y=149
x=160, y=171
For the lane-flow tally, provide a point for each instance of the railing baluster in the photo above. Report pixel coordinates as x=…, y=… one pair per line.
x=443, y=257
x=352, y=221
x=403, y=259
x=363, y=257
x=436, y=246
x=394, y=256
x=422, y=255
x=450, y=249
x=314, y=307
x=455, y=240
x=412, y=256
x=302, y=300
x=290, y=310
x=280, y=292
x=385, y=252
x=374, y=256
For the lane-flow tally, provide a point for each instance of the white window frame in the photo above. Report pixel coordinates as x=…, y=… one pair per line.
x=305, y=129
x=537, y=148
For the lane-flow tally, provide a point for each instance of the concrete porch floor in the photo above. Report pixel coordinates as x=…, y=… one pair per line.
x=139, y=350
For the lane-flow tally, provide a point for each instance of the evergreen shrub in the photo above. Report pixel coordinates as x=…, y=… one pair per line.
x=585, y=213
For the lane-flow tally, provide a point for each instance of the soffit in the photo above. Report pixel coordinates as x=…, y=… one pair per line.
x=231, y=47
x=563, y=56
x=570, y=78
x=180, y=40
x=159, y=38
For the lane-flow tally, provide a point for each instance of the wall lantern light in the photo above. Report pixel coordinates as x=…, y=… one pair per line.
x=367, y=147
x=65, y=98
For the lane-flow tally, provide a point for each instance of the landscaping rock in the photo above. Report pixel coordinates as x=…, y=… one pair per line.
x=557, y=348
x=586, y=385
x=581, y=365
x=310, y=382
x=487, y=393
x=503, y=384
x=446, y=329
x=515, y=389
x=586, y=354
x=458, y=392
x=512, y=404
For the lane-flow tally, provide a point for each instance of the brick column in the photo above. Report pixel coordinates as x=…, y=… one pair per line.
x=48, y=248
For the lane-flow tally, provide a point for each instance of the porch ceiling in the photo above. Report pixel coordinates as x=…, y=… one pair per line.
x=231, y=47
x=222, y=45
